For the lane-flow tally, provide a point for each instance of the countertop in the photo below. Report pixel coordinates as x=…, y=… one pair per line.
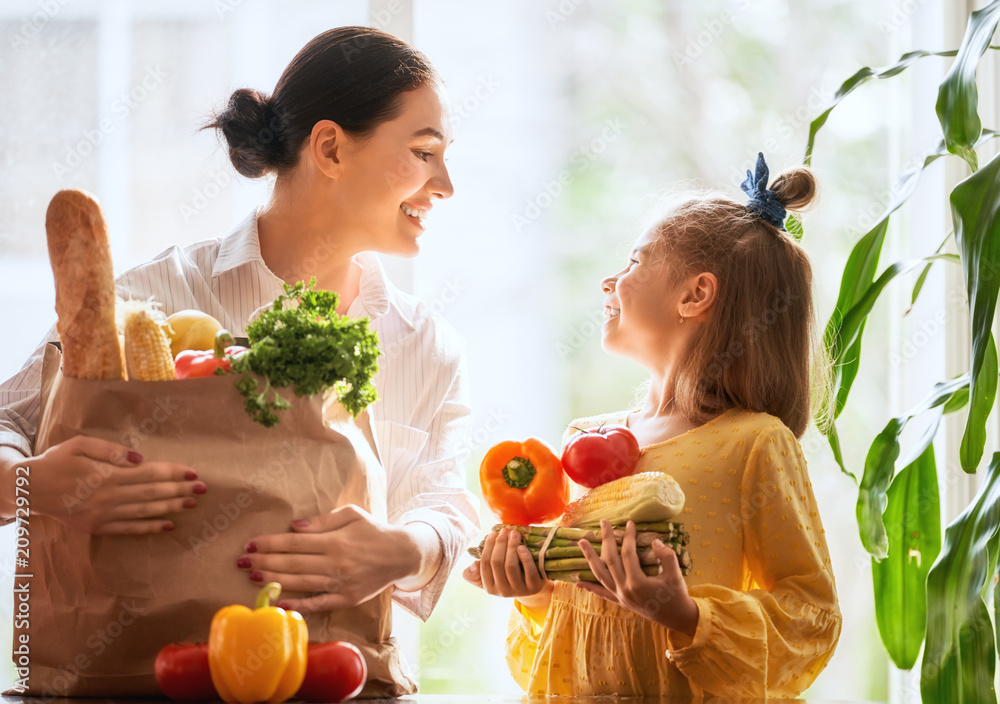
x=471, y=699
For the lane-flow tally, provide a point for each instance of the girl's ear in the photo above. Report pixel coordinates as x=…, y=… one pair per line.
x=325, y=147
x=698, y=295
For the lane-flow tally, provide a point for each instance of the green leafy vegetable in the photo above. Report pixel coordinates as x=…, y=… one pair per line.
x=303, y=343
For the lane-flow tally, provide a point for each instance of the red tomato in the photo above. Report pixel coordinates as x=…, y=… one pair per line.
x=595, y=457
x=182, y=672
x=334, y=672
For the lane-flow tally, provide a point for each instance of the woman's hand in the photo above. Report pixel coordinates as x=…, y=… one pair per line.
x=499, y=571
x=662, y=599
x=345, y=557
x=103, y=488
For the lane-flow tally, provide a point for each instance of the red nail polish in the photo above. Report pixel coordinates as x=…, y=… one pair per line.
x=190, y=474
x=243, y=563
x=284, y=605
x=251, y=547
x=168, y=526
x=189, y=503
x=300, y=522
x=200, y=489
x=256, y=577
x=134, y=457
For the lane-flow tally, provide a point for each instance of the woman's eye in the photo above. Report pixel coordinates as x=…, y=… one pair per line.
x=423, y=156
x=633, y=261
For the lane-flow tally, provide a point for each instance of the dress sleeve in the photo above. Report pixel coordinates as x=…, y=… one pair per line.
x=523, y=631
x=776, y=637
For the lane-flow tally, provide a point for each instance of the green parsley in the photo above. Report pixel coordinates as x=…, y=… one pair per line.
x=303, y=343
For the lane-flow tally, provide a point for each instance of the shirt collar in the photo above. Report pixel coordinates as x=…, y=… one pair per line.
x=376, y=293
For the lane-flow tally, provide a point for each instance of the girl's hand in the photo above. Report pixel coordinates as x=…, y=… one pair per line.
x=498, y=571
x=103, y=488
x=662, y=599
x=344, y=557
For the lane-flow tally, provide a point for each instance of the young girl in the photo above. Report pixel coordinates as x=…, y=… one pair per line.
x=715, y=302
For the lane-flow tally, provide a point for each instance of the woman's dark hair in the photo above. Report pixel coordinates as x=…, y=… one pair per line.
x=354, y=76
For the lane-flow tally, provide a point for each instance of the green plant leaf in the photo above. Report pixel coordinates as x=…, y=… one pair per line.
x=975, y=207
x=793, y=224
x=959, y=658
x=958, y=99
x=981, y=402
x=880, y=464
x=858, y=277
x=952, y=258
x=862, y=76
x=913, y=518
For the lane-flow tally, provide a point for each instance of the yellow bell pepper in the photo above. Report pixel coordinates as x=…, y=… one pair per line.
x=258, y=655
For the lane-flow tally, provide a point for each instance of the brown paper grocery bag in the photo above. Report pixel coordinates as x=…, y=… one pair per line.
x=91, y=612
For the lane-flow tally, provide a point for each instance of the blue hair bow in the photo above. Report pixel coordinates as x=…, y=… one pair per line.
x=762, y=200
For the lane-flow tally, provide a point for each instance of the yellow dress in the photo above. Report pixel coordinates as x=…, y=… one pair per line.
x=768, y=614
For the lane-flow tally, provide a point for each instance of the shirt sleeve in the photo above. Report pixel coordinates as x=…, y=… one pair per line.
x=20, y=401
x=776, y=637
x=426, y=482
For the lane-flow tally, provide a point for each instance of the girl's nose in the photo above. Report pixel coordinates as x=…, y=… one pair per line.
x=608, y=284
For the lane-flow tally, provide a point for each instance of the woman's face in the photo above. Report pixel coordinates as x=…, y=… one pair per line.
x=389, y=182
x=637, y=302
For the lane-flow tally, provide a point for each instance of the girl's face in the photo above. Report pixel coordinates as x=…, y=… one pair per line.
x=387, y=183
x=644, y=304
x=637, y=302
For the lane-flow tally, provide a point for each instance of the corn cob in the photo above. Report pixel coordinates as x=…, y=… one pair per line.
x=643, y=497
x=147, y=349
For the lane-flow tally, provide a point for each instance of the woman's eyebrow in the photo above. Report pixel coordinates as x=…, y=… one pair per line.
x=436, y=134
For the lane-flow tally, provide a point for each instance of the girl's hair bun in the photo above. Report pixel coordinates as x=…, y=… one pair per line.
x=795, y=188
x=250, y=128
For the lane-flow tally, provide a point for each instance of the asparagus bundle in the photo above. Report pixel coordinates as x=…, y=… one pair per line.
x=564, y=560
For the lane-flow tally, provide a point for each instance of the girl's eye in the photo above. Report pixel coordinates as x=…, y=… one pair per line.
x=423, y=156
x=633, y=261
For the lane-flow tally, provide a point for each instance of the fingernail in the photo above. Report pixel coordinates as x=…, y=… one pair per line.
x=250, y=547
x=658, y=543
x=243, y=563
x=284, y=605
x=300, y=522
x=256, y=577
x=523, y=550
x=134, y=457
x=189, y=503
x=168, y=526
x=190, y=474
x=200, y=488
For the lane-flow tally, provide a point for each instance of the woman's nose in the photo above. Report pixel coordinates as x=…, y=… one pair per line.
x=440, y=185
x=608, y=284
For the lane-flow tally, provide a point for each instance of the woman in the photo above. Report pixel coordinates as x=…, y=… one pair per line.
x=355, y=133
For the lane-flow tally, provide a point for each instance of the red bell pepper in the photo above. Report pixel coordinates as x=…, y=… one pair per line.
x=197, y=363
x=183, y=673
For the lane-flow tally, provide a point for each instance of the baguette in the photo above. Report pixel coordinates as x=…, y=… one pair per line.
x=85, y=286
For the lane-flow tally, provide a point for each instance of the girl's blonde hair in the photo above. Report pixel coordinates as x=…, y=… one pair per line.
x=760, y=349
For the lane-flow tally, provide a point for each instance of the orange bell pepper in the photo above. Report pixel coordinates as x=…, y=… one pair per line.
x=524, y=482
x=257, y=655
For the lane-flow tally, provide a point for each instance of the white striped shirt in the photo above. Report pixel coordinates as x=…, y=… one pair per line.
x=422, y=407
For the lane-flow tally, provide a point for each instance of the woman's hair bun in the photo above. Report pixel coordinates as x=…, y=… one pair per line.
x=250, y=127
x=795, y=188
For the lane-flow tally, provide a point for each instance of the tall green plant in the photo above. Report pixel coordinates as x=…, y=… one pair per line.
x=929, y=593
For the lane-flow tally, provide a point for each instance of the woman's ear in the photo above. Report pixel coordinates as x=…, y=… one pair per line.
x=699, y=294
x=325, y=148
